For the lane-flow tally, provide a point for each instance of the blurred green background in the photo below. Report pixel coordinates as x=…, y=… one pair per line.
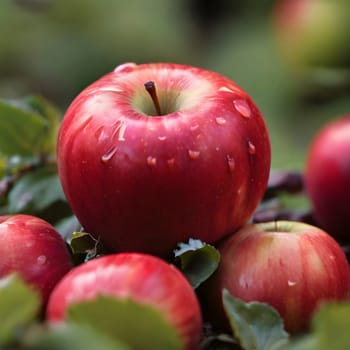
x=55, y=48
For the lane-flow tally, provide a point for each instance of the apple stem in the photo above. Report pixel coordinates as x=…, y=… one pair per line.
x=150, y=86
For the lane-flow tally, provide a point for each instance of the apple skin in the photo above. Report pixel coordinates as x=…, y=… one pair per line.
x=140, y=277
x=327, y=177
x=33, y=248
x=313, y=33
x=290, y=265
x=144, y=182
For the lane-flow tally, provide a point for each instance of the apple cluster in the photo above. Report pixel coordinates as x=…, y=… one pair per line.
x=155, y=154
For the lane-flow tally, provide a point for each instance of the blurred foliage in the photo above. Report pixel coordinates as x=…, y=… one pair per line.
x=54, y=48
x=29, y=180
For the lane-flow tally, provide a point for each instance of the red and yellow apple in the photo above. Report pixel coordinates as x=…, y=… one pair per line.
x=313, y=33
x=290, y=265
x=32, y=248
x=141, y=278
x=143, y=173
x=327, y=177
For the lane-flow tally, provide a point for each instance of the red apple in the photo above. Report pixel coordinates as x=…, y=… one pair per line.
x=143, y=180
x=327, y=177
x=144, y=279
x=33, y=248
x=290, y=265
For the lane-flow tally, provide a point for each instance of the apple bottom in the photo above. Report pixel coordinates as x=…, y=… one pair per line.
x=291, y=266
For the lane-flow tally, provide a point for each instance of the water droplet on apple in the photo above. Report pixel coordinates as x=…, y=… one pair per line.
x=243, y=108
x=119, y=130
x=122, y=132
x=110, y=89
x=230, y=162
x=100, y=134
x=41, y=259
x=125, y=67
x=226, y=89
x=151, y=161
x=193, y=154
x=86, y=123
x=291, y=283
x=220, y=120
x=109, y=154
x=194, y=127
x=251, y=148
x=161, y=138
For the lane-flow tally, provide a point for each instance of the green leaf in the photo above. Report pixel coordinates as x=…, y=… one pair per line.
x=35, y=191
x=257, y=326
x=219, y=342
x=198, y=260
x=69, y=336
x=27, y=127
x=19, y=306
x=85, y=247
x=52, y=117
x=138, y=325
x=330, y=329
x=82, y=242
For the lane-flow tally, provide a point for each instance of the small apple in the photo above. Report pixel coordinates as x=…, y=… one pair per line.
x=313, y=33
x=142, y=278
x=327, y=177
x=153, y=154
x=290, y=265
x=33, y=248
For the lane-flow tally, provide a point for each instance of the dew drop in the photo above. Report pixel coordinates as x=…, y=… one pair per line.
x=230, y=162
x=151, y=161
x=226, y=89
x=109, y=155
x=100, y=134
x=220, y=121
x=86, y=123
x=161, y=138
x=41, y=259
x=251, y=148
x=125, y=67
x=122, y=132
x=194, y=127
x=110, y=89
x=193, y=154
x=243, y=108
x=119, y=130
